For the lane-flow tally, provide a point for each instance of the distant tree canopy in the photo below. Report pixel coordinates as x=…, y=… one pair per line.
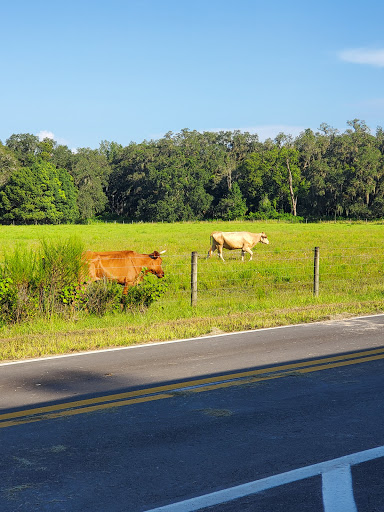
x=194, y=176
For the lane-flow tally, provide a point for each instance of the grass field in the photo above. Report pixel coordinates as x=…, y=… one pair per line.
x=276, y=288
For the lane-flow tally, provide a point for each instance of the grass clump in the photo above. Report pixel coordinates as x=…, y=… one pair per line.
x=38, y=282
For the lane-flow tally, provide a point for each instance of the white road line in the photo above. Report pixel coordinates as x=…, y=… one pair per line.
x=148, y=345
x=336, y=466
x=338, y=490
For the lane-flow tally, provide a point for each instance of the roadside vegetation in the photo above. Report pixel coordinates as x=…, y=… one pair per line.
x=50, y=283
x=42, y=312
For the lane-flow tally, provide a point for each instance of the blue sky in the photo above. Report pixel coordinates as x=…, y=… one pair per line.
x=85, y=71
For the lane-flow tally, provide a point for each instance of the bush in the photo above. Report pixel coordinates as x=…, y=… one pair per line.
x=145, y=292
x=8, y=299
x=101, y=297
x=273, y=214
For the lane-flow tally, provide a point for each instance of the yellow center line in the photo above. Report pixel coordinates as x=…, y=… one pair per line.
x=196, y=385
x=73, y=412
x=285, y=374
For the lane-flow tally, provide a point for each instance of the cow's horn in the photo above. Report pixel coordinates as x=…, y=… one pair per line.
x=162, y=252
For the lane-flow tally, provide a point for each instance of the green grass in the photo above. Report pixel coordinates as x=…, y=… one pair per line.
x=276, y=288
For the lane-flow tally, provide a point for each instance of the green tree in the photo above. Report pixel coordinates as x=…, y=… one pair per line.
x=90, y=172
x=255, y=179
x=175, y=188
x=45, y=149
x=367, y=169
x=128, y=183
x=8, y=164
x=233, y=205
x=313, y=151
x=287, y=172
x=38, y=194
x=161, y=180
x=109, y=149
x=24, y=146
x=62, y=157
x=354, y=171
x=289, y=159
x=66, y=196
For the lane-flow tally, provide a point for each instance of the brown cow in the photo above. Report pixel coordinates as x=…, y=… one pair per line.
x=235, y=240
x=124, y=267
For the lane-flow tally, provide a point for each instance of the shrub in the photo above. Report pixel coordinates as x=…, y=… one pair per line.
x=273, y=214
x=141, y=296
x=8, y=299
x=101, y=297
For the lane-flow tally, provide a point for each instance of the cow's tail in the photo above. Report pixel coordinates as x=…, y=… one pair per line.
x=210, y=246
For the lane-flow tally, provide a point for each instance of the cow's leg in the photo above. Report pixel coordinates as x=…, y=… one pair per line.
x=220, y=251
x=92, y=273
x=211, y=251
x=123, y=301
x=248, y=250
x=127, y=284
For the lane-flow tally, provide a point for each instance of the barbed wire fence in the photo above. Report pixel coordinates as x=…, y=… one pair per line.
x=350, y=272
x=276, y=278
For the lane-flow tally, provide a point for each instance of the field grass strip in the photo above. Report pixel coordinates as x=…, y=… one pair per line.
x=193, y=386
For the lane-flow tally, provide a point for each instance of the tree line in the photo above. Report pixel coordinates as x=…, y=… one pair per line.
x=195, y=176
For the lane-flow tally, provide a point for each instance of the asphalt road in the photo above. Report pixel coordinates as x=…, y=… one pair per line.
x=144, y=427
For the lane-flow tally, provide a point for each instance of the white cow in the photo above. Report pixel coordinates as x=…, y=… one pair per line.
x=235, y=240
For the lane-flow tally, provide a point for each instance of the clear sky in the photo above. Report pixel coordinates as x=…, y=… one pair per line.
x=131, y=70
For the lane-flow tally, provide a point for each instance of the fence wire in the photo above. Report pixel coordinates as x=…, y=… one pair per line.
x=350, y=273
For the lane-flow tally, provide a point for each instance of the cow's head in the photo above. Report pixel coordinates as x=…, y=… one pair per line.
x=264, y=238
x=156, y=263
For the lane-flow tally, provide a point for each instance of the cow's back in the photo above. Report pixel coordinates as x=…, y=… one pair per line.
x=117, y=265
x=109, y=254
x=235, y=239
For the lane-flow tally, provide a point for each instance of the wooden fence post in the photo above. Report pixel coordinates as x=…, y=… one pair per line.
x=316, y=272
x=194, y=278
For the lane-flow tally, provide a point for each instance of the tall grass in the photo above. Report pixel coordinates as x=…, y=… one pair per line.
x=37, y=282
